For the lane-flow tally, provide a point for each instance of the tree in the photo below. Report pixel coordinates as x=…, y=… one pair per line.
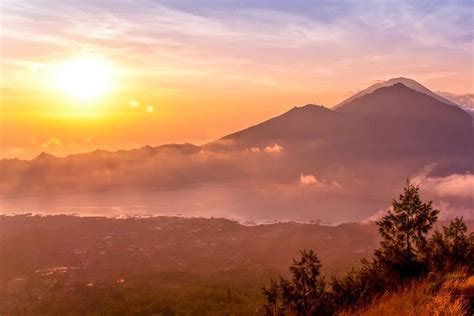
x=347, y=290
x=404, y=253
x=304, y=293
x=451, y=248
x=404, y=231
x=274, y=305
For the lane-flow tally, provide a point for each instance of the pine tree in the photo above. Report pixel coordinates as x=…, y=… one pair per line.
x=404, y=231
x=274, y=305
x=451, y=248
x=304, y=293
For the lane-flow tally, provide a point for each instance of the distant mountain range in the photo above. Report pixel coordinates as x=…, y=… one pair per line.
x=339, y=164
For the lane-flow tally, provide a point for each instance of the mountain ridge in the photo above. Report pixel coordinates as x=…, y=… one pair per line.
x=410, y=83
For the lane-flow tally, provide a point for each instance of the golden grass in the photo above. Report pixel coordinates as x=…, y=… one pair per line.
x=419, y=299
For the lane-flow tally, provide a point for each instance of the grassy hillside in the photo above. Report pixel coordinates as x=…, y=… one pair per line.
x=453, y=295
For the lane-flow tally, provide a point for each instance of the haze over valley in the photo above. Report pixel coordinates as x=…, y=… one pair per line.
x=310, y=163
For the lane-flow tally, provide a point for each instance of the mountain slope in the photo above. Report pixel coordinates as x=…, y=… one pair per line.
x=411, y=120
x=300, y=124
x=410, y=83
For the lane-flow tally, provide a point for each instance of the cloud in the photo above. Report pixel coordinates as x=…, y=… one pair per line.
x=311, y=180
x=308, y=179
x=247, y=39
x=423, y=174
x=376, y=216
x=449, y=211
x=452, y=194
x=273, y=149
x=52, y=142
x=447, y=194
x=456, y=185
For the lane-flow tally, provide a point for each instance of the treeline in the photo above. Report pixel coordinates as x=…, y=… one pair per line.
x=408, y=251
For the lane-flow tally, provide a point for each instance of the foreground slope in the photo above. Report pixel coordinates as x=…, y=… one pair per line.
x=453, y=295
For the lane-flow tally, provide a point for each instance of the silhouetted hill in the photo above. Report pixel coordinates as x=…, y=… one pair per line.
x=391, y=122
x=298, y=124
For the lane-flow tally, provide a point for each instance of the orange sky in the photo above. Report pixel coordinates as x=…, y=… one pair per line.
x=207, y=70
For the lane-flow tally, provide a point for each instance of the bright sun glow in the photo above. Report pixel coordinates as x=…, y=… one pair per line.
x=85, y=79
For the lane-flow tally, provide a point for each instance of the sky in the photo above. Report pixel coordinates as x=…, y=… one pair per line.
x=81, y=75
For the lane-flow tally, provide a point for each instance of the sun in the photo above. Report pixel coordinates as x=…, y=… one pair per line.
x=84, y=78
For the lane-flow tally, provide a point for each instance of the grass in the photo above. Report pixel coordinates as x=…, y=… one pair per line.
x=452, y=296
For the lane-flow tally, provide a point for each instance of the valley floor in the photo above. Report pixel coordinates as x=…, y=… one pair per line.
x=58, y=265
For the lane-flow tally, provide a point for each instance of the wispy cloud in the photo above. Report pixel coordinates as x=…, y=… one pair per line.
x=214, y=39
x=452, y=186
x=274, y=149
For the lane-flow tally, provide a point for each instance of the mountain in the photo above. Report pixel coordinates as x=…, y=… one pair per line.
x=310, y=163
x=410, y=83
x=412, y=121
x=299, y=124
x=388, y=122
